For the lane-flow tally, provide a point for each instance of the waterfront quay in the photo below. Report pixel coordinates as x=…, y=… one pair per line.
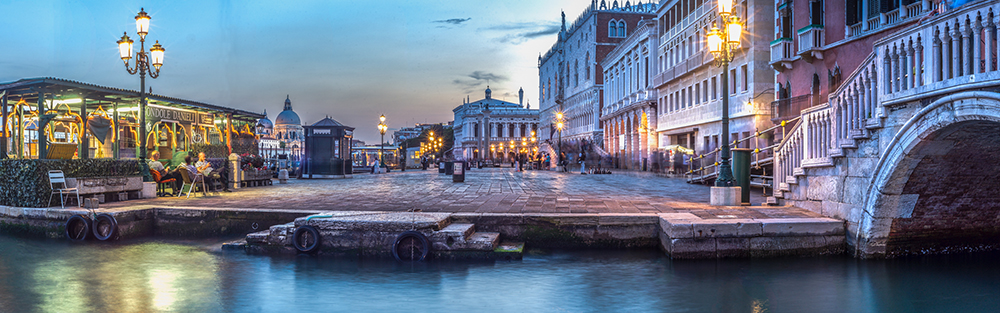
x=537, y=208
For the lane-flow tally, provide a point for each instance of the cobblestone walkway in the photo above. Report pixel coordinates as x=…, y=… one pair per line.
x=486, y=191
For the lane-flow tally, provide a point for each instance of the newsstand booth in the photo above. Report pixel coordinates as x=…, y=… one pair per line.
x=95, y=132
x=328, y=150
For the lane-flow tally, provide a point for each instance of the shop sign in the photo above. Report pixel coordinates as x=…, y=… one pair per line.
x=158, y=113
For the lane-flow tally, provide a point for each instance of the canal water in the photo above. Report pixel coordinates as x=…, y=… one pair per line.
x=182, y=276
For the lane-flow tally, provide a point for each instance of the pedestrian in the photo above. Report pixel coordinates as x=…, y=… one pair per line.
x=583, y=162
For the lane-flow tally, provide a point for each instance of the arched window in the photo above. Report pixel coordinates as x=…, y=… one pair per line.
x=621, y=29
x=612, y=29
x=586, y=64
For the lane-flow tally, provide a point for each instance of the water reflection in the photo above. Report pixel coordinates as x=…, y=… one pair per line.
x=56, y=276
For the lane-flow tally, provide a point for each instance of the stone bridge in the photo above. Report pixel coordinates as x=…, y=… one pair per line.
x=907, y=150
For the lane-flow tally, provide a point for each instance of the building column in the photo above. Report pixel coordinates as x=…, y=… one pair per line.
x=977, y=31
x=936, y=59
x=956, y=51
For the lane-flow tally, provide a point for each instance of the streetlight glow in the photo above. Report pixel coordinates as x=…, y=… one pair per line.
x=725, y=7
x=142, y=23
x=125, y=48
x=157, y=53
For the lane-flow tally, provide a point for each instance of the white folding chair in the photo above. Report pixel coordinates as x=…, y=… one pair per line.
x=56, y=177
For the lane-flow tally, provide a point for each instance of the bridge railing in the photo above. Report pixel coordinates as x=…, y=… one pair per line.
x=854, y=104
x=808, y=145
x=953, y=51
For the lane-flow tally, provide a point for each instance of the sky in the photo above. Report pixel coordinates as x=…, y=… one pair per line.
x=413, y=61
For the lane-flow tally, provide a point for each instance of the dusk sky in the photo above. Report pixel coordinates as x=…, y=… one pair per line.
x=413, y=61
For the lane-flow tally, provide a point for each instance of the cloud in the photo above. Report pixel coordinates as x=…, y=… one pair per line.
x=477, y=79
x=520, y=32
x=452, y=21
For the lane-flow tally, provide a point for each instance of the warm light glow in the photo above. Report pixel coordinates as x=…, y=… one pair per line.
x=125, y=48
x=157, y=53
x=559, y=115
x=381, y=118
x=734, y=30
x=714, y=40
x=142, y=23
x=725, y=7
x=559, y=126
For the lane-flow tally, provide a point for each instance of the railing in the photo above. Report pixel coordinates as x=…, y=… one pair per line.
x=781, y=50
x=762, y=155
x=810, y=38
x=938, y=55
x=892, y=17
x=948, y=53
x=872, y=24
x=854, y=30
x=855, y=101
x=788, y=108
x=914, y=9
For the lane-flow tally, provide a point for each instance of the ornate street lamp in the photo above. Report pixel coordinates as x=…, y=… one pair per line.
x=381, y=129
x=723, y=44
x=143, y=60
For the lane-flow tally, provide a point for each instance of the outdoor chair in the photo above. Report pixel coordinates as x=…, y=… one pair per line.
x=161, y=184
x=191, y=182
x=56, y=177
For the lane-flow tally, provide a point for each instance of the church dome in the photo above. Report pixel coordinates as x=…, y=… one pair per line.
x=265, y=122
x=287, y=116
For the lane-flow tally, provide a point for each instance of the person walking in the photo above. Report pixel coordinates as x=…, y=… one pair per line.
x=583, y=162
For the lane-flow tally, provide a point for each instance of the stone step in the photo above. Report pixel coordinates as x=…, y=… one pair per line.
x=458, y=230
x=258, y=237
x=480, y=241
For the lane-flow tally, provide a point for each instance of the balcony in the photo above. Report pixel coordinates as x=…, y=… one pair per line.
x=811, y=43
x=781, y=54
x=789, y=108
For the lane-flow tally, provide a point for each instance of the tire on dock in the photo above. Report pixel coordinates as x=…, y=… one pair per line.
x=306, y=239
x=410, y=246
x=78, y=227
x=105, y=227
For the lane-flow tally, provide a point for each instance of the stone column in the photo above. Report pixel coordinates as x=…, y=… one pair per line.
x=936, y=59
x=956, y=52
x=991, y=43
x=977, y=31
x=895, y=74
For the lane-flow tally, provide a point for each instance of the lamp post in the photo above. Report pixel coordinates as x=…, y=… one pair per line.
x=143, y=60
x=381, y=129
x=723, y=43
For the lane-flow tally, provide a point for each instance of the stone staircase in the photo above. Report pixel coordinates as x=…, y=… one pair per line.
x=374, y=233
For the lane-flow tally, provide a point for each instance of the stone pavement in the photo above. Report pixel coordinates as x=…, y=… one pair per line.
x=493, y=190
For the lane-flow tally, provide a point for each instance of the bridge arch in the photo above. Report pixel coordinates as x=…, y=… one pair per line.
x=936, y=186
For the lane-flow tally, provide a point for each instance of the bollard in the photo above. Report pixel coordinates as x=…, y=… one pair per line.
x=458, y=175
x=741, y=171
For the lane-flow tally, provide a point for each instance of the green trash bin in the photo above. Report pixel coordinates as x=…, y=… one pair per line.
x=741, y=171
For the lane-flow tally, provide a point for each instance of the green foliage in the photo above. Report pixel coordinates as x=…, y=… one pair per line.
x=25, y=183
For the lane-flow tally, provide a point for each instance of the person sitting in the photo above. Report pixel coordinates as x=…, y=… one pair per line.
x=156, y=165
x=205, y=168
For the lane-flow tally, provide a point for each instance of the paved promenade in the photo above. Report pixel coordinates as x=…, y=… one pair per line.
x=494, y=190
